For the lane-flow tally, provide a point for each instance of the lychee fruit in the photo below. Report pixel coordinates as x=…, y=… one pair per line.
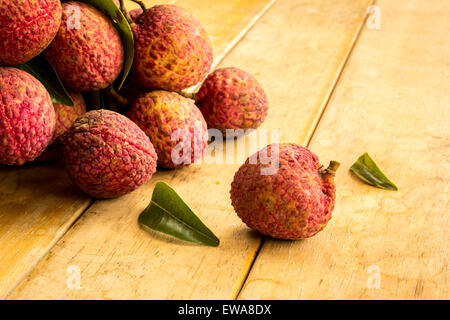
x=87, y=51
x=65, y=117
x=135, y=13
x=172, y=49
x=27, y=117
x=26, y=28
x=293, y=202
x=107, y=155
x=175, y=126
x=231, y=98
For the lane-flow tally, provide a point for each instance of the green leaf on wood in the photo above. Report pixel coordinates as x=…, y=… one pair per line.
x=367, y=170
x=168, y=213
x=42, y=70
x=110, y=9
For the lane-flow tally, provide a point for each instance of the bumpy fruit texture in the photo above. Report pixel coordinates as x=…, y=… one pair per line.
x=87, y=52
x=27, y=117
x=26, y=28
x=173, y=51
x=165, y=115
x=107, y=155
x=231, y=98
x=294, y=203
x=65, y=117
x=135, y=13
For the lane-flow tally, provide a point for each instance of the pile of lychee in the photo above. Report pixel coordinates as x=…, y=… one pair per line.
x=108, y=153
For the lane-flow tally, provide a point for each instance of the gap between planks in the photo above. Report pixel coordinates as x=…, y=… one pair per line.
x=309, y=136
x=337, y=65
x=59, y=235
x=76, y=217
x=336, y=81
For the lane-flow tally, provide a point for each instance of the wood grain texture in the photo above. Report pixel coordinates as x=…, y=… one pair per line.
x=296, y=51
x=225, y=21
x=39, y=204
x=393, y=102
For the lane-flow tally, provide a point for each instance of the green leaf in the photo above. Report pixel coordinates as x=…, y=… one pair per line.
x=42, y=70
x=367, y=170
x=118, y=19
x=168, y=213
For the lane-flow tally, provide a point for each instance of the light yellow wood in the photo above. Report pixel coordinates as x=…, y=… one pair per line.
x=35, y=210
x=393, y=102
x=297, y=51
x=37, y=205
x=225, y=21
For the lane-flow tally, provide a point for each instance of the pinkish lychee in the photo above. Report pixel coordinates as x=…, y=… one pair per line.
x=65, y=117
x=231, y=98
x=87, y=52
x=175, y=126
x=107, y=155
x=135, y=13
x=172, y=49
x=26, y=28
x=293, y=202
x=27, y=117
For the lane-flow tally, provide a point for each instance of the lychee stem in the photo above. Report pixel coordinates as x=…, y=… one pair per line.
x=117, y=96
x=125, y=12
x=332, y=168
x=188, y=95
x=141, y=4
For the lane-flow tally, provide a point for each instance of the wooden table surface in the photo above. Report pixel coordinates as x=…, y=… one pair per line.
x=343, y=77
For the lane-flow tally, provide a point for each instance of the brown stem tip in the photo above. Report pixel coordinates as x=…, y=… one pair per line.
x=121, y=100
x=188, y=95
x=332, y=168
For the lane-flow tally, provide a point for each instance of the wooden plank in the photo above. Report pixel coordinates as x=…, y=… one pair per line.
x=226, y=21
x=35, y=213
x=393, y=102
x=37, y=205
x=296, y=51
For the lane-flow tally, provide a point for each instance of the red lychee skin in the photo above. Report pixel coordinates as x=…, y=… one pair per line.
x=26, y=28
x=159, y=114
x=107, y=155
x=135, y=13
x=27, y=117
x=65, y=117
x=87, y=54
x=231, y=98
x=294, y=203
x=172, y=49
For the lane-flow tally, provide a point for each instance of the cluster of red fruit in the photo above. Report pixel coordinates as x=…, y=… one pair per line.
x=105, y=153
x=108, y=154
